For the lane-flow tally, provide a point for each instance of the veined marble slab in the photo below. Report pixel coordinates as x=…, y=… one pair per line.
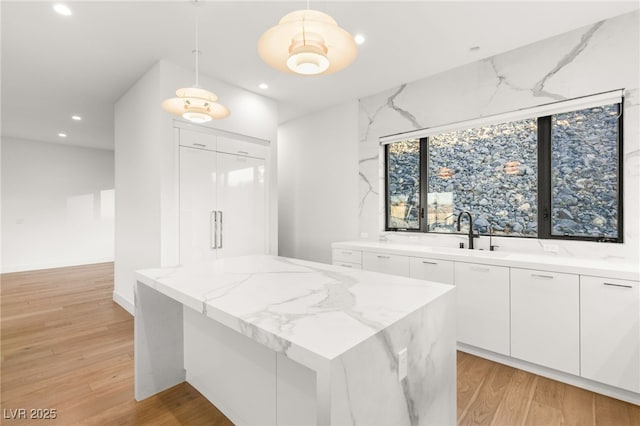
x=346, y=325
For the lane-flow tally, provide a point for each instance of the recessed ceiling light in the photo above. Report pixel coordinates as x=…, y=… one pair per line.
x=474, y=48
x=263, y=86
x=62, y=9
x=76, y=117
x=62, y=135
x=359, y=39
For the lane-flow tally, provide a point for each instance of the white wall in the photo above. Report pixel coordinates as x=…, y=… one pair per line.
x=145, y=166
x=317, y=176
x=138, y=162
x=590, y=60
x=57, y=205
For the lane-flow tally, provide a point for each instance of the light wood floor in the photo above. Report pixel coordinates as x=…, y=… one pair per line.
x=66, y=346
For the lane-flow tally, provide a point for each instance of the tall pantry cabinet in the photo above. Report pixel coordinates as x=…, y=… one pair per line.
x=222, y=196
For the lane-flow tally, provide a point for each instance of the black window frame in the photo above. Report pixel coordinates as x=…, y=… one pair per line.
x=545, y=220
x=387, y=205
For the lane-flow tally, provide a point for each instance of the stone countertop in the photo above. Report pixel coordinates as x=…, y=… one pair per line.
x=613, y=268
x=313, y=312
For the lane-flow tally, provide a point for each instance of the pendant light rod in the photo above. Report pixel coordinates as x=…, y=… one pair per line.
x=196, y=52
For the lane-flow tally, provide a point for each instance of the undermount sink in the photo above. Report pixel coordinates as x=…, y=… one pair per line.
x=471, y=253
x=487, y=253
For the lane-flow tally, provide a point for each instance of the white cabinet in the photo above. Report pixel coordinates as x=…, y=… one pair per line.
x=431, y=269
x=582, y=325
x=199, y=140
x=198, y=205
x=610, y=331
x=545, y=328
x=347, y=258
x=483, y=306
x=222, y=201
x=241, y=204
x=240, y=148
x=386, y=263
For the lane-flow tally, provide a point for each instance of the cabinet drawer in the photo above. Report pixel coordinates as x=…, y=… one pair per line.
x=197, y=140
x=431, y=269
x=609, y=330
x=240, y=147
x=347, y=264
x=346, y=255
x=545, y=319
x=386, y=263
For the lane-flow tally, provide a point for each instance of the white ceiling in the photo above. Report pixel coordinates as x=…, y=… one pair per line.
x=55, y=66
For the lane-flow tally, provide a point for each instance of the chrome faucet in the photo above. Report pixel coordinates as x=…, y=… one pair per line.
x=471, y=234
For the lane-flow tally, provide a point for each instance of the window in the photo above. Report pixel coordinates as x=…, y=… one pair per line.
x=584, y=173
x=552, y=176
x=491, y=172
x=403, y=185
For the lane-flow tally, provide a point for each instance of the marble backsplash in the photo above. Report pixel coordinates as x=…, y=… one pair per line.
x=594, y=59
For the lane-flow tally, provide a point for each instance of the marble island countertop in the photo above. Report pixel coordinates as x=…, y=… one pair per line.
x=313, y=312
x=273, y=340
x=608, y=268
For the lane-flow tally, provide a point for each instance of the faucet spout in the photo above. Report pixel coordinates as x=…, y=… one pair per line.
x=471, y=234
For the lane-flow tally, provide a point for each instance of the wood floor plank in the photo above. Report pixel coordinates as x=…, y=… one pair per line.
x=66, y=345
x=549, y=393
x=577, y=406
x=541, y=414
x=472, y=372
x=483, y=408
x=514, y=407
x=611, y=411
x=634, y=414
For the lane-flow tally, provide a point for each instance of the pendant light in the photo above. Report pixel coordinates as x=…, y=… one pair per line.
x=307, y=42
x=194, y=103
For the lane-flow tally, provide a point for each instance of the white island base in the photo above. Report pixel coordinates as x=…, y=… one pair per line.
x=277, y=341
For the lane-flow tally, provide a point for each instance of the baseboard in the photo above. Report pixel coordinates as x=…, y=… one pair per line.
x=7, y=269
x=601, y=388
x=124, y=303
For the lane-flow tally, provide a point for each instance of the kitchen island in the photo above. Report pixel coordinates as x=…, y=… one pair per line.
x=271, y=340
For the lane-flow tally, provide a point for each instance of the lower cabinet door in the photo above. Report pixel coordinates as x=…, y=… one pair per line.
x=545, y=319
x=483, y=306
x=386, y=263
x=610, y=332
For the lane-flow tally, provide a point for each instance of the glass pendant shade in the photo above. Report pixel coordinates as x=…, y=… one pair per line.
x=307, y=42
x=308, y=56
x=196, y=105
